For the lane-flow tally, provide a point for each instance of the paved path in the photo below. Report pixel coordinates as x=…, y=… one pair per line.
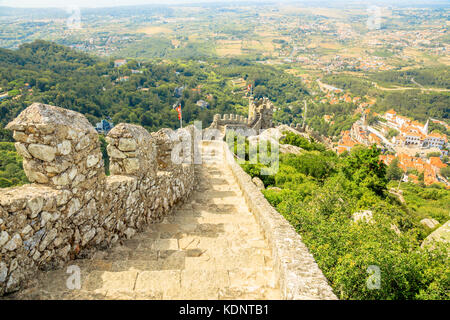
x=210, y=247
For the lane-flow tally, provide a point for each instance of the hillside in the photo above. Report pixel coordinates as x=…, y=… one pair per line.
x=319, y=192
x=141, y=93
x=138, y=92
x=341, y=206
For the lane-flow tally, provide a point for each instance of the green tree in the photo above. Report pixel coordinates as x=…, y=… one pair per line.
x=363, y=167
x=392, y=133
x=393, y=171
x=446, y=172
x=433, y=154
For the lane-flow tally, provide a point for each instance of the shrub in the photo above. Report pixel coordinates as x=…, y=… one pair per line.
x=320, y=193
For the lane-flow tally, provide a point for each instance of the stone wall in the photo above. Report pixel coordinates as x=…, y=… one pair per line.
x=228, y=120
x=314, y=134
x=299, y=275
x=71, y=208
x=260, y=114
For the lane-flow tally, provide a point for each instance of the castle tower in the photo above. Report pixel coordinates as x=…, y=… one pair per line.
x=260, y=113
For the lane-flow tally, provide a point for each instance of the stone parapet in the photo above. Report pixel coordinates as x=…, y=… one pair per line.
x=260, y=114
x=72, y=208
x=132, y=151
x=60, y=147
x=298, y=273
x=175, y=147
x=227, y=119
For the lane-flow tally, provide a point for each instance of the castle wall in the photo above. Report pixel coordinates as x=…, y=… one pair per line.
x=299, y=275
x=230, y=120
x=260, y=113
x=312, y=133
x=259, y=117
x=71, y=208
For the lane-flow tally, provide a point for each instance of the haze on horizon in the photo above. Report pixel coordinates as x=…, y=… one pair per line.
x=112, y=3
x=102, y=3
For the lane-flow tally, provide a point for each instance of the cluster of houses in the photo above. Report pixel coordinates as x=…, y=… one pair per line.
x=119, y=62
x=26, y=88
x=362, y=135
x=358, y=134
x=426, y=40
x=410, y=134
x=369, y=63
x=123, y=79
x=429, y=167
x=413, y=133
x=346, y=143
x=335, y=95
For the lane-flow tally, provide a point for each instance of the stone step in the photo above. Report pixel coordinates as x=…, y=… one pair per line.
x=210, y=247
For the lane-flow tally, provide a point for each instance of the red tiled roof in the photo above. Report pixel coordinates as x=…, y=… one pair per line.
x=436, y=161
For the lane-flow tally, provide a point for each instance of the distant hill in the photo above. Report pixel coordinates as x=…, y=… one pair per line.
x=44, y=55
x=138, y=92
x=118, y=11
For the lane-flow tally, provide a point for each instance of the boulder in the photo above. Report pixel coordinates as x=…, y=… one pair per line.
x=64, y=147
x=258, y=183
x=113, y=152
x=365, y=215
x=22, y=150
x=442, y=234
x=4, y=237
x=429, y=223
x=131, y=165
x=287, y=148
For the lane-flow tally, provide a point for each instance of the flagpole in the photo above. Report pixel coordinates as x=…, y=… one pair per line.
x=181, y=118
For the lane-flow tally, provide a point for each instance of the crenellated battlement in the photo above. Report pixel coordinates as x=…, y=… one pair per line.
x=259, y=117
x=298, y=127
x=221, y=122
x=260, y=113
x=71, y=208
x=312, y=133
x=229, y=119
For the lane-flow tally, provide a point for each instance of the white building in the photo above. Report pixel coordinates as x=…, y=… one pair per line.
x=435, y=140
x=119, y=62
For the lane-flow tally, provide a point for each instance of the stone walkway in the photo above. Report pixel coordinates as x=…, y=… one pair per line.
x=210, y=247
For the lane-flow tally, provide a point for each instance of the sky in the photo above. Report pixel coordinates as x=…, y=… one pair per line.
x=111, y=3
x=92, y=3
x=80, y=3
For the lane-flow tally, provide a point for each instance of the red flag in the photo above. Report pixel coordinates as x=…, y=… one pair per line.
x=179, y=111
x=249, y=87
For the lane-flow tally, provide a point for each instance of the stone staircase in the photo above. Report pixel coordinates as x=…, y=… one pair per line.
x=210, y=247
